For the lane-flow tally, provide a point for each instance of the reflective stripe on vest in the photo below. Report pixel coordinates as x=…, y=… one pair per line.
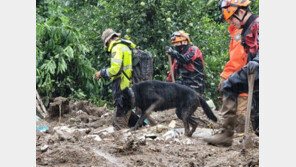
x=116, y=61
x=125, y=49
x=127, y=67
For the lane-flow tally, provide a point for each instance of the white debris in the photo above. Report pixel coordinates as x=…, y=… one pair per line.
x=172, y=134
x=203, y=132
x=95, y=137
x=105, y=115
x=69, y=130
x=188, y=141
x=126, y=135
x=44, y=148
x=105, y=131
x=177, y=140
x=79, y=112
x=172, y=124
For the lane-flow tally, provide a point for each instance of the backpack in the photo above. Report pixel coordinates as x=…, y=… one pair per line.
x=142, y=64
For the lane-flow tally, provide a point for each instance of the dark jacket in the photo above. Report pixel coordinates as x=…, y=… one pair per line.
x=189, y=70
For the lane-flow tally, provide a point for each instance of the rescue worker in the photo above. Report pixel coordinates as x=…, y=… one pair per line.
x=237, y=13
x=188, y=64
x=237, y=59
x=120, y=71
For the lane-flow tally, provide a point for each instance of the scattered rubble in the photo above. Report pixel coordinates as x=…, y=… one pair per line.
x=85, y=137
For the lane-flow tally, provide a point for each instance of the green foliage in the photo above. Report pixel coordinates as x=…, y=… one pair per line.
x=69, y=48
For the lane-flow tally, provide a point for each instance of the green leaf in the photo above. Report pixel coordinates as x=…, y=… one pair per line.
x=62, y=67
x=68, y=51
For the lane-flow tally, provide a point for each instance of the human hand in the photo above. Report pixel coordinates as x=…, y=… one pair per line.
x=252, y=66
x=220, y=84
x=171, y=52
x=98, y=75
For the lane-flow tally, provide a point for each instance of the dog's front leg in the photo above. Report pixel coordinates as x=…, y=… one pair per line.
x=186, y=123
x=145, y=114
x=139, y=122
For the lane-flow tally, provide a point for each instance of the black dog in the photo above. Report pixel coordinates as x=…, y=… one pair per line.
x=157, y=96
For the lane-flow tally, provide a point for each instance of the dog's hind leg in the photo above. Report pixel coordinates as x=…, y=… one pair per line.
x=183, y=115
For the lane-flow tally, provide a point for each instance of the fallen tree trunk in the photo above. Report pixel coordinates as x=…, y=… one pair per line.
x=40, y=109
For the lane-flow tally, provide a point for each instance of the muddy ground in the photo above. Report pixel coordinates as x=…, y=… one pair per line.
x=84, y=136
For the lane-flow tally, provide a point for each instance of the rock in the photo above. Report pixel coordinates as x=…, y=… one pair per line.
x=172, y=124
x=83, y=117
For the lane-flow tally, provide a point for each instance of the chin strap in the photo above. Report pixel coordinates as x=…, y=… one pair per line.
x=133, y=96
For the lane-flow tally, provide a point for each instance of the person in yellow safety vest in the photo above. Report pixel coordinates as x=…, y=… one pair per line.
x=120, y=71
x=237, y=59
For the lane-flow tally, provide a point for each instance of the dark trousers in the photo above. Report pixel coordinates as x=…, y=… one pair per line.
x=117, y=99
x=236, y=84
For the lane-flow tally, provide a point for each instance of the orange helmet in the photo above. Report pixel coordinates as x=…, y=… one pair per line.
x=179, y=36
x=229, y=7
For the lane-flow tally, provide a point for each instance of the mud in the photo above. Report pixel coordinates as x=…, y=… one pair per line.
x=84, y=136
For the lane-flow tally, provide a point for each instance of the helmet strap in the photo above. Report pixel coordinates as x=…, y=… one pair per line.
x=241, y=20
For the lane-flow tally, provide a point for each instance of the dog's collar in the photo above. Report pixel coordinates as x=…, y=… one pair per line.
x=133, y=96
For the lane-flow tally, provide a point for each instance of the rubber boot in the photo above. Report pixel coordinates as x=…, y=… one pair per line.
x=225, y=137
x=241, y=113
x=240, y=126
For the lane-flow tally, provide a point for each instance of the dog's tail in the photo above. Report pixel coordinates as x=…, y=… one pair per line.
x=207, y=109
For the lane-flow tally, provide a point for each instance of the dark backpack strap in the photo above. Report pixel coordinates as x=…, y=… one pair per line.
x=126, y=75
x=249, y=21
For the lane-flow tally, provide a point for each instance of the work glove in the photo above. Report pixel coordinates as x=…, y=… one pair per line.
x=181, y=59
x=251, y=66
x=175, y=54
